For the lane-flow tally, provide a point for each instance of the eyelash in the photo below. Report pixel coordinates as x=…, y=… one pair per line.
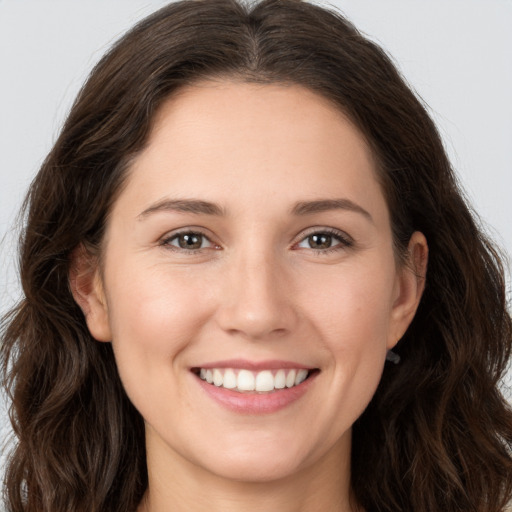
x=166, y=242
x=345, y=242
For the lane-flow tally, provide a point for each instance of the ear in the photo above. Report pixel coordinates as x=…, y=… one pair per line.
x=409, y=287
x=87, y=289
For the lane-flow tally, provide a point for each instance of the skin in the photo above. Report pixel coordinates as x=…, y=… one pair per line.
x=257, y=289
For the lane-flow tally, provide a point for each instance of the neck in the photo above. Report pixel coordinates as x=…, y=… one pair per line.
x=176, y=482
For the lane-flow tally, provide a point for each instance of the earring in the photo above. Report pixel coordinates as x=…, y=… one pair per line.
x=392, y=357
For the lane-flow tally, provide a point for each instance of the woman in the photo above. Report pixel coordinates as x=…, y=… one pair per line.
x=227, y=242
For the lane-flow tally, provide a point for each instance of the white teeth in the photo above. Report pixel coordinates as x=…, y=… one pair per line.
x=290, y=379
x=264, y=381
x=280, y=379
x=217, y=377
x=229, y=379
x=245, y=380
x=301, y=376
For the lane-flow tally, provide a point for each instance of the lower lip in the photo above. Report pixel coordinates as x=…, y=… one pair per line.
x=256, y=403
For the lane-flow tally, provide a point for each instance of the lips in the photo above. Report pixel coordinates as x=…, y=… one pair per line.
x=254, y=388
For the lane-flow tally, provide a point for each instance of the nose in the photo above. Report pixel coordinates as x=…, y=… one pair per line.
x=258, y=299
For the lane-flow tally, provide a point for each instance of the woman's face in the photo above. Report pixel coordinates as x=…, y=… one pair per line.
x=252, y=246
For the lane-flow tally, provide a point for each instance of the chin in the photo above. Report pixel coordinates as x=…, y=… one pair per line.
x=263, y=460
x=256, y=471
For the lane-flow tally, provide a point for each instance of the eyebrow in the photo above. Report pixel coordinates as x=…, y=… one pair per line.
x=196, y=206
x=200, y=207
x=323, y=205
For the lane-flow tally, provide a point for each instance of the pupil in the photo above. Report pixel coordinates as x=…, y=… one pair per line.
x=322, y=241
x=190, y=241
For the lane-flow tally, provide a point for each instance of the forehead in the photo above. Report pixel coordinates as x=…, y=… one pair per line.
x=215, y=138
x=227, y=113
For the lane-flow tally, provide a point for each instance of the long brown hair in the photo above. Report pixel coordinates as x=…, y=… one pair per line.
x=437, y=434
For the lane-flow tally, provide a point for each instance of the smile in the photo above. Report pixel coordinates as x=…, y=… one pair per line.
x=243, y=381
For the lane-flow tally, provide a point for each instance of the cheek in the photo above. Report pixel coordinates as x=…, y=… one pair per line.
x=353, y=308
x=353, y=316
x=155, y=314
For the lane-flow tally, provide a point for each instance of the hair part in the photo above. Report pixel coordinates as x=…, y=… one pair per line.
x=437, y=434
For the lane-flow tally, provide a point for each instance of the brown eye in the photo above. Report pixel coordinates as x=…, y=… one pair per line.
x=188, y=241
x=320, y=241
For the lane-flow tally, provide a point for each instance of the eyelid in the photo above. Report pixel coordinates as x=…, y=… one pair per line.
x=165, y=240
x=345, y=240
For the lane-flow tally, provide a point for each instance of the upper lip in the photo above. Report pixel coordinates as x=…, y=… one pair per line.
x=244, y=364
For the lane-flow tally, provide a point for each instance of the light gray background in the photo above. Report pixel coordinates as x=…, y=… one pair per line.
x=457, y=54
